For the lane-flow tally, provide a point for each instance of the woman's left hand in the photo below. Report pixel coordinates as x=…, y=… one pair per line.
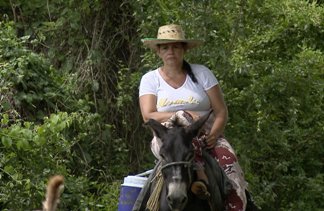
x=211, y=141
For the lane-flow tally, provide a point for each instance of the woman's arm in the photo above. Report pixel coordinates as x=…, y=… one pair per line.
x=220, y=111
x=148, y=109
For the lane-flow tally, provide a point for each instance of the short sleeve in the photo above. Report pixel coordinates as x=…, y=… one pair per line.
x=148, y=84
x=204, y=76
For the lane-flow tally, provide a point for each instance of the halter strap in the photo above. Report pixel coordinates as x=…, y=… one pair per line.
x=185, y=163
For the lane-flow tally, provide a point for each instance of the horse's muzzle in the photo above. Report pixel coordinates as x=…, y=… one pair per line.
x=177, y=197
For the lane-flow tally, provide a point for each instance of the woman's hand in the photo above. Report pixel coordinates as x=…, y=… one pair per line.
x=211, y=140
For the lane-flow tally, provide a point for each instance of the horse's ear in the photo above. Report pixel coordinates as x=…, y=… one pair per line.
x=195, y=127
x=158, y=129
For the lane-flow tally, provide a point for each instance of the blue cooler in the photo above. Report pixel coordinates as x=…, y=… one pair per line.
x=129, y=191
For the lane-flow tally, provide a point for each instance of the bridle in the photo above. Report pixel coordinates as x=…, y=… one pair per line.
x=186, y=164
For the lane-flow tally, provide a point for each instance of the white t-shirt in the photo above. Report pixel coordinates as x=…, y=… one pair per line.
x=190, y=96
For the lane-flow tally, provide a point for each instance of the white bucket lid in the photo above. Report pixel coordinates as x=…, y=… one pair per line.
x=134, y=181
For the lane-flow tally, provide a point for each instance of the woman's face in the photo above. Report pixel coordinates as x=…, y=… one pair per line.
x=171, y=53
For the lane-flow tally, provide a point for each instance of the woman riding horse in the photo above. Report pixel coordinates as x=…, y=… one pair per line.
x=178, y=85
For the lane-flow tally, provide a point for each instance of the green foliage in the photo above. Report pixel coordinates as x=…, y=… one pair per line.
x=69, y=72
x=268, y=56
x=29, y=153
x=279, y=138
x=72, y=47
x=28, y=82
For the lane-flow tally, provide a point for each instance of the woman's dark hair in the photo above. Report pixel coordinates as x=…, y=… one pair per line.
x=186, y=66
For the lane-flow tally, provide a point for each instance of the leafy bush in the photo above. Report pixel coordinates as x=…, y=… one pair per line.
x=62, y=143
x=278, y=92
x=268, y=57
x=28, y=82
x=31, y=153
x=69, y=72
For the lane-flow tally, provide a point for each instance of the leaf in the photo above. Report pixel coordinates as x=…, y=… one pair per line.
x=5, y=119
x=23, y=144
x=6, y=141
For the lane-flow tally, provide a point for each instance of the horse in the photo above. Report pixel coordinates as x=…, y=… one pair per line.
x=177, y=154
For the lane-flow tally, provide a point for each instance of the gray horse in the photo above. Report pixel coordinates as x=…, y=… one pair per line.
x=177, y=169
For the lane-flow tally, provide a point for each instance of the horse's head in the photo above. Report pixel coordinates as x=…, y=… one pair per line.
x=177, y=153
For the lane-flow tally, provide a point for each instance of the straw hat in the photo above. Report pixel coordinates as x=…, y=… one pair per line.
x=170, y=34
